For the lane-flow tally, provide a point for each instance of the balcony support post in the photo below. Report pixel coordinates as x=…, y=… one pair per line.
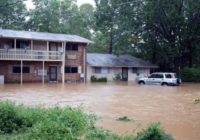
x=15, y=46
x=63, y=63
x=47, y=50
x=42, y=72
x=15, y=43
x=31, y=49
x=21, y=72
x=84, y=64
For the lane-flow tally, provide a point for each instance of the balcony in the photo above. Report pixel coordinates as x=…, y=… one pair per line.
x=31, y=55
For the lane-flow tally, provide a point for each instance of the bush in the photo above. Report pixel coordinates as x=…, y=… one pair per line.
x=95, y=79
x=61, y=123
x=153, y=132
x=11, y=118
x=20, y=122
x=190, y=74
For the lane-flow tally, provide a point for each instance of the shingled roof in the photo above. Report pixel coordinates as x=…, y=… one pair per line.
x=42, y=36
x=109, y=60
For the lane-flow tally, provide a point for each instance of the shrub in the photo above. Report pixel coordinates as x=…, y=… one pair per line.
x=60, y=123
x=95, y=79
x=153, y=132
x=197, y=101
x=11, y=119
x=190, y=74
x=124, y=119
x=117, y=77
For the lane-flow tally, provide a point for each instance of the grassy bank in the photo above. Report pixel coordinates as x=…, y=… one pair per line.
x=21, y=122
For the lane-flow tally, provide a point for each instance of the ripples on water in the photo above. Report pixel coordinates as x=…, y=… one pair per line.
x=172, y=106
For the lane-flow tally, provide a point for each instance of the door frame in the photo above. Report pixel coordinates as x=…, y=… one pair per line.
x=50, y=80
x=125, y=69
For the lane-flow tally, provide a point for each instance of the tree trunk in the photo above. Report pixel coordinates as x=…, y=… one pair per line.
x=190, y=54
x=111, y=43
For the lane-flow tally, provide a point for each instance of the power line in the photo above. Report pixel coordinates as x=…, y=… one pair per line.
x=129, y=2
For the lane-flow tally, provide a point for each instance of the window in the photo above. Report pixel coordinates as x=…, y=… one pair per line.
x=70, y=69
x=23, y=44
x=8, y=45
x=97, y=70
x=71, y=47
x=134, y=70
x=17, y=69
x=100, y=70
x=168, y=76
x=153, y=76
x=159, y=76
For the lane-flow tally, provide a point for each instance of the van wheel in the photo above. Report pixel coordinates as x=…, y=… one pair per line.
x=164, y=84
x=141, y=82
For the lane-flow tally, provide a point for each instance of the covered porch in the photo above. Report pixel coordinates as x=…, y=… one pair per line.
x=24, y=49
x=31, y=71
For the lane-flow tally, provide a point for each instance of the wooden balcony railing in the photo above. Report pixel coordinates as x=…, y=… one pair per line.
x=12, y=54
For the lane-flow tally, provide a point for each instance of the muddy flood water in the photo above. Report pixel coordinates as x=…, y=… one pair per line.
x=173, y=107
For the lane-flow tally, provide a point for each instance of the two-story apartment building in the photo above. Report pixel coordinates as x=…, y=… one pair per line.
x=27, y=56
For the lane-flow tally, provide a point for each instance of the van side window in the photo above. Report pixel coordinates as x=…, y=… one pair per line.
x=168, y=75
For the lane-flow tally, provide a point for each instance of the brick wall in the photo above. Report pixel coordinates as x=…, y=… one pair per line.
x=6, y=70
x=75, y=58
x=72, y=58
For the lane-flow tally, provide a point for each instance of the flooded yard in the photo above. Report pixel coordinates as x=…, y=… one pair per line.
x=173, y=107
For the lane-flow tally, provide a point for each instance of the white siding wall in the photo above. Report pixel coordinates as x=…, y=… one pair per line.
x=113, y=71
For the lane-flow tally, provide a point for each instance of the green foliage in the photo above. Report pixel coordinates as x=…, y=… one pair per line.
x=12, y=14
x=153, y=132
x=197, y=101
x=60, y=123
x=20, y=122
x=117, y=77
x=124, y=119
x=67, y=17
x=95, y=79
x=190, y=74
x=11, y=118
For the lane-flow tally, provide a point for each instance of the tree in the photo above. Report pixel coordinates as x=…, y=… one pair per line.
x=106, y=20
x=175, y=26
x=12, y=14
x=61, y=16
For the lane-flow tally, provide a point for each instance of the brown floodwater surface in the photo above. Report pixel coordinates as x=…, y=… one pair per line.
x=173, y=107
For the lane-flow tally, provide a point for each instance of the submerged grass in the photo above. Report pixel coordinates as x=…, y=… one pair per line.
x=124, y=119
x=21, y=122
x=197, y=101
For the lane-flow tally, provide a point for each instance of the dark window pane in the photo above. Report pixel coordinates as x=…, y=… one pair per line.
x=17, y=69
x=153, y=76
x=22, y=44
x=68, y=46
x=71, y=47
x=71, y=69
x=26, y=69
x=159, y=76
x=74, y=70
x=75, y=47
x=97, y=70
x=168, y=75
x=67, y=69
